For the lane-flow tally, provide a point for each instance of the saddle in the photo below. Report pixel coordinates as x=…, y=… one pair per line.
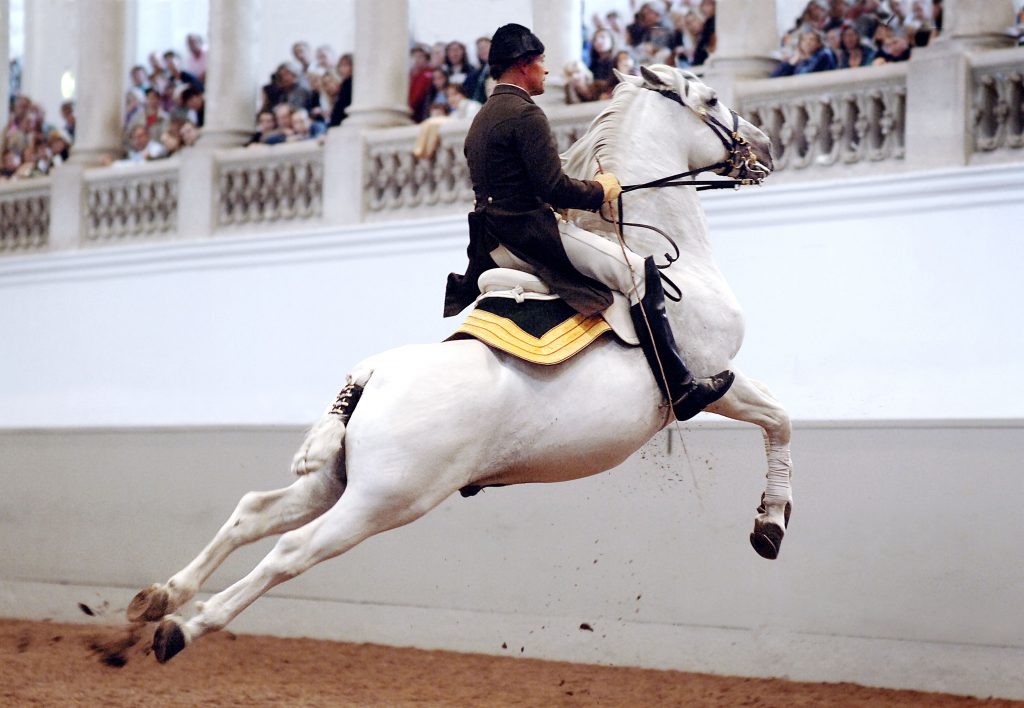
x=518, y=314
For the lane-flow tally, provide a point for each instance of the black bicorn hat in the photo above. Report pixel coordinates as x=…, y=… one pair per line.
x=511, y=42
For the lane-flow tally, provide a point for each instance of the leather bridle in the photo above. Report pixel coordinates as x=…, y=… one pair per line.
x=741, y=164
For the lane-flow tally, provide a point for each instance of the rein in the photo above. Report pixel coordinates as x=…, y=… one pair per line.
x=741, y=161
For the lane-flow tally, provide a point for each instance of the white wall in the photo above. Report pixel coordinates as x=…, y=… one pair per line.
x=901, y=566
x=888, y=298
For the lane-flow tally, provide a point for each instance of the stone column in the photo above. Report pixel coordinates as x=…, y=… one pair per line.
x=5, y=65
x=979, y=24
x=939, y=92
x=232, y=81
x=747, y=34
x=558, y=24
x=380, y=81
x=100, y=80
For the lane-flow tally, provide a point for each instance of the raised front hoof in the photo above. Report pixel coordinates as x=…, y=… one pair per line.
x=168, y=641
x=149, y=605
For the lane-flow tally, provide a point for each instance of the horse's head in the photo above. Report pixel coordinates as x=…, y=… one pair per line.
x=734, y=146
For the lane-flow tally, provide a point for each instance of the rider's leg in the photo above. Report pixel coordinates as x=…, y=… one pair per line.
x=638, y=278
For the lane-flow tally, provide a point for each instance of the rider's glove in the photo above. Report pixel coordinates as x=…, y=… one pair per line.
x=610, y=183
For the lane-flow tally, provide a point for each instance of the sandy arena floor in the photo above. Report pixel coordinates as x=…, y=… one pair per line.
x=50, y=664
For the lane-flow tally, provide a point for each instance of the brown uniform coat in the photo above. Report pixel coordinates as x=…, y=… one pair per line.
x=517, y=178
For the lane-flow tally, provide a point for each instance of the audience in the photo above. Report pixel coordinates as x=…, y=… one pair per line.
x=811, y=56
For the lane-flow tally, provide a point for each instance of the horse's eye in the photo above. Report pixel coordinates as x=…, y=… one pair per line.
x=713, y=101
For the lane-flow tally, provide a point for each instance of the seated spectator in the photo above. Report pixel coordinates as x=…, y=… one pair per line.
x=812, y=56
x=579, y=83
x=283, y=118
x=895, y=48
x=195, y=56
x=625, y=64
x=437, y=54
x=152, y=116
x=812, y=18
x=326, y=60
x=171, y=138
x=139, y=80
x=457, y=66
x=854, y=50
x=285, y=87
x=919, y=25
x=303, y=54
x=303, y=127
x=461, y=106
x=32, y=163
x=158, y=77
x=132, y=107
x=438, y=88
x=60, y=145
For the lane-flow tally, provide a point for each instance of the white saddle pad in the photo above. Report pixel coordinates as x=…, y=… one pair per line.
x=520, y=285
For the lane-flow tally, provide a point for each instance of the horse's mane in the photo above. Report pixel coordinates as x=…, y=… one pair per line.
x=602, y=139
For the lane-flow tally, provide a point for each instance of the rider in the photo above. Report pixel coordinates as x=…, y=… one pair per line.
x=517, y=180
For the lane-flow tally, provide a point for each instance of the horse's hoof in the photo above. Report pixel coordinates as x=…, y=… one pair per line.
x=168, y=641
x=149, y=605
x=766, y=538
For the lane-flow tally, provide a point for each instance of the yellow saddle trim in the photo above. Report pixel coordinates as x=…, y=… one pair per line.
x=558, y=344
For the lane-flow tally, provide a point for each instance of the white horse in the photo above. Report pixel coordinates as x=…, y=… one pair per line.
x=435, y=418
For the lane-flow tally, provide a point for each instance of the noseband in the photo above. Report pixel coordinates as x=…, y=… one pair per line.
x=740, y=161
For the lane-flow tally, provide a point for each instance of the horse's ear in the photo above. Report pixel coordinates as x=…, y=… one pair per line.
x=627, y=78
x=650, y=77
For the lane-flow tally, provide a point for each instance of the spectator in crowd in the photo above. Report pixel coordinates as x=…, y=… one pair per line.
x=10, y=164
x=152, y=116
x=579, y=83
x=437, y=54
x=176, y=75
x=895, y=48
x=195, y=57
x=67, y=113
x=326, y=60
x=170, y=139
x=340, y=107
x=191, y=106
x=919, y=25
x=139, y=81
x=457, y=64
x=330, y=90
x=707, y=41
x=266, y=130
x=812, y=56
x=479, y=91
x=303, y=54
x=625, y=64
x=283, y=118
x=854, y=50
x=689, y=27
x=132, y=107
x=602, y=57
x=438, y=88
x=303, y=127
x=60, y=145
x=285, y=87
x=189, y=133
x=141, y=147
x=461, y=107
x=837, y=15
x=158, y=76
x=420, y=80
x=648, y=37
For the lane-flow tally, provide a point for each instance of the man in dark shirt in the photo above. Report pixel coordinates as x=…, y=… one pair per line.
x=517, y=180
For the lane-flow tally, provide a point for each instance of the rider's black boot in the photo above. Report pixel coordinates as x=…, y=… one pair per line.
x=689, y=396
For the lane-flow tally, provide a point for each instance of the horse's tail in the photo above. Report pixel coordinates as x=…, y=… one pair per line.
x=325, y=441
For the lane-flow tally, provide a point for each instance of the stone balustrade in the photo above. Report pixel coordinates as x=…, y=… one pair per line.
x=823, y=126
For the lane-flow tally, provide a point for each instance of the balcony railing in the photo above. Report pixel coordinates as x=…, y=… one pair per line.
x=831, y=125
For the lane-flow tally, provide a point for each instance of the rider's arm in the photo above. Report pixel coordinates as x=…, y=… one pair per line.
x=538, y=151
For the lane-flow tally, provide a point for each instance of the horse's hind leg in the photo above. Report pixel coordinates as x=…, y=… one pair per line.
x=258, y=515
x=750, y=401
x=357, y=516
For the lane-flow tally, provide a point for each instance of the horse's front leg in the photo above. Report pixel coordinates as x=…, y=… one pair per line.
x=258, y=515
x=750, y=401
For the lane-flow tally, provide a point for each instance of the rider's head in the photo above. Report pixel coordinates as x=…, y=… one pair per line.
x=517, y=57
